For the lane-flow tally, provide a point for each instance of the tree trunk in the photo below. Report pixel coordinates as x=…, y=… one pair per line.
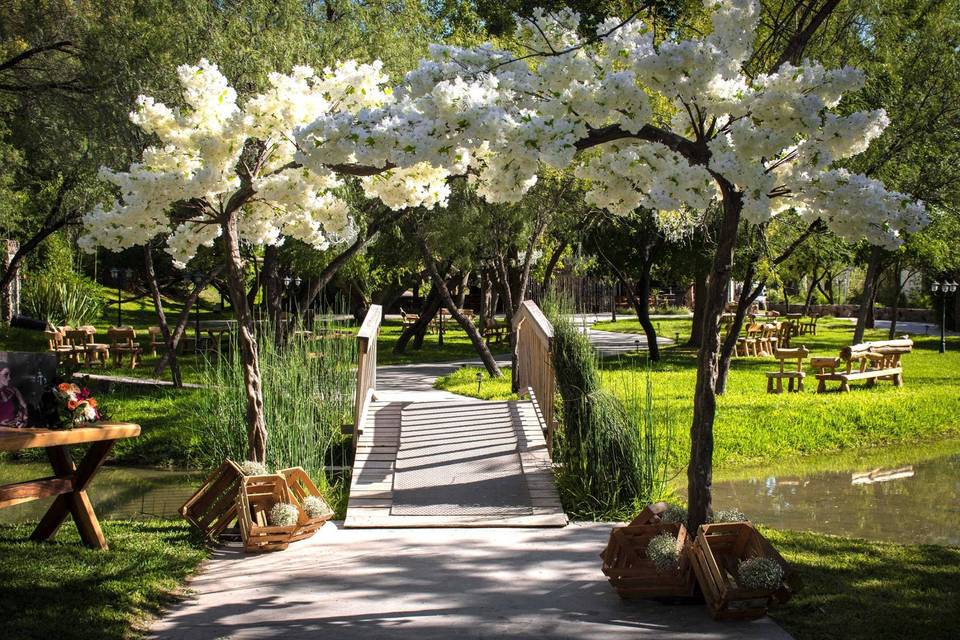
x=463, y=289
x=699, y=308
x=250, y=360
x=418, y=328
x=869, y=284
x=552, y=265
x=182, y=320
x=899, y=283
x=700, y=468
x=814, y=281
x=748, y=294
x=270, y=280
x=161, y=316
x=444, y=293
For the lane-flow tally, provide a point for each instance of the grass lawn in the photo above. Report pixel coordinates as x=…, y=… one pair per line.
x=63, y=590
x=456, y=346
x=855, y=589
x=753, y=426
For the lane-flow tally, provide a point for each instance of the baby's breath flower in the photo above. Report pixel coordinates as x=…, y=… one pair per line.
x=761, y=574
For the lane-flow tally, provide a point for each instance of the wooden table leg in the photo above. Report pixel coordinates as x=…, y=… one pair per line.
x=77, y=503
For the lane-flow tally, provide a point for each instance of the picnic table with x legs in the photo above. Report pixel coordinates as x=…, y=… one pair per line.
x=69, y=482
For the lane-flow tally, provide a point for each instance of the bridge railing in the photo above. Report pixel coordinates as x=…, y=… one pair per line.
x=535, y=361
x=366, y=366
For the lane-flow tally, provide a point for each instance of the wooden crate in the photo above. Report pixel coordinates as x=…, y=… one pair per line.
x=257, y=496
x=214, y=505
x=651, y=514
x=715, y=556
x=301, y=486
x=633, y=574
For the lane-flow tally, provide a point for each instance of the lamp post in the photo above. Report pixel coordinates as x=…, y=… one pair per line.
x=196, y=279
x=120, y=276
x=944, y=288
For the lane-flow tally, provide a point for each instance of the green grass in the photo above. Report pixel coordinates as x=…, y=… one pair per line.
x=464, y=382
x=63, y=590
x=456, y=346
x=667, y=328
x=753, y=426
x=853, y=589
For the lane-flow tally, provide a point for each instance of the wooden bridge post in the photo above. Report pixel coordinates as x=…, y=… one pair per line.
x=535, y=361
x=366, y=367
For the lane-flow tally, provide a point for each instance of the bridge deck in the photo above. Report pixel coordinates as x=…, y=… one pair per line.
x=462, y=463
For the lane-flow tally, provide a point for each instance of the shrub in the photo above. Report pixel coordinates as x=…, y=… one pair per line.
x=62, y=300
x=611, y=456
x=674, y=513
x=728, y=515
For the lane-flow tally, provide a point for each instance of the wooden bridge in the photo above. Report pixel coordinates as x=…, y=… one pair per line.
x=423, y=461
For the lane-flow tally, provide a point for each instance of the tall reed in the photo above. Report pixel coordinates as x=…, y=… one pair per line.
x=613, y=454
x=308, y=386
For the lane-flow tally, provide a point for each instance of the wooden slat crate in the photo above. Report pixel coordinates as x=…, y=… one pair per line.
x=633, y=574
x=257, y=496
x=214, y=505
x=301, y=486
x=651, y=514
x=715, y=556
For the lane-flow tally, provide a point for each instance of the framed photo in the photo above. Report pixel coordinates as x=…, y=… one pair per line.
x=24, y=379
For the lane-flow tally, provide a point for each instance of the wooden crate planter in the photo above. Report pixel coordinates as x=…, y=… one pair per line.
x=301, y=487
x=633, y=574
x=214, y=505
x=651, y=514
x=715, y=556
x=257, y=496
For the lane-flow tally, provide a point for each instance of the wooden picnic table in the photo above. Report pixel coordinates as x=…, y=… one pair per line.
x=69, y=482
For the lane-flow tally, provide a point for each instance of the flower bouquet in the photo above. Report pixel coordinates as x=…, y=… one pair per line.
x=76, y=405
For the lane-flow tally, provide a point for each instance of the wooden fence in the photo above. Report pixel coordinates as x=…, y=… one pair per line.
x=366, y=366
x=534, y=361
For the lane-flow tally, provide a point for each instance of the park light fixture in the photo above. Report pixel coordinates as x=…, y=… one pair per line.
x=479, y=381
x=121, y=277
x=945, y=288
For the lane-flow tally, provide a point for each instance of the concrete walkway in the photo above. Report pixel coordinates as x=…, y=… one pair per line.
x=432, y=584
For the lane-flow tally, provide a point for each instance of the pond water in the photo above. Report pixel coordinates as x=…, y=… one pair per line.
x=116, y=492
x=904, y=494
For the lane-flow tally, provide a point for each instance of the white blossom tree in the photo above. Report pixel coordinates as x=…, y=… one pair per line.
x=756, y=145
x=223, y=172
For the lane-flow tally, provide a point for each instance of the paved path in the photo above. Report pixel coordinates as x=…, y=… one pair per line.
x=911, y=328
x=424, y=584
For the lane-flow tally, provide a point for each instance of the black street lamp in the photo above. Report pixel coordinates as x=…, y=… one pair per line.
x=945, y=288
x=196, y=279
x=120, y=276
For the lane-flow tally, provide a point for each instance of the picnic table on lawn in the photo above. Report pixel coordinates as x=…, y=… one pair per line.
x=69, y=482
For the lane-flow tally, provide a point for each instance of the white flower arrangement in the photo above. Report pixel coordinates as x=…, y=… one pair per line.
x=663, y=552
x=727, y=515
x=760, y=574
x=283, y=514
x=674, y=513
x=315, y=507
x=253, y=468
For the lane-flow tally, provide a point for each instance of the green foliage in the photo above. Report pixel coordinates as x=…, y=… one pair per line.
x=64, y=590
x=307, y=396
x=859, y=590
x=611, y=456
x=463, y=381
x=62, y=299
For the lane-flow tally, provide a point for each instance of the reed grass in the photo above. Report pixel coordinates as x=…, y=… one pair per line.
x=308, y=387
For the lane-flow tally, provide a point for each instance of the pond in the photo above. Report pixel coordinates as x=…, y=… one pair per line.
x=116, y=492
x=903, y=494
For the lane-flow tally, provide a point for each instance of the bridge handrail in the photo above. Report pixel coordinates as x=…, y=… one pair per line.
x=535, y=361
x=366, y=366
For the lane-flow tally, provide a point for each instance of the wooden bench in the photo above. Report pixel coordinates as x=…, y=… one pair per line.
x=797, y=374
x=123, y=341
x=82, y=340
x=870, y=361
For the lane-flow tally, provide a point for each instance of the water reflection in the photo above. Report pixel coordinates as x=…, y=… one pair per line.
x=116, y=492
x=902, y=502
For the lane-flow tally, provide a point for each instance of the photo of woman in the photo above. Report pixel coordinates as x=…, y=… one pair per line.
x=13, y=408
